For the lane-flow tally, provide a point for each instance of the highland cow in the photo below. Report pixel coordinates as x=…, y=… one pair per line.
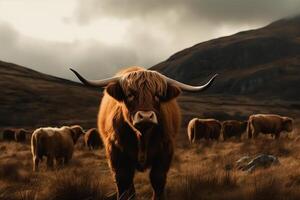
x=8, y=134
x=92, y=139
x=20, y=135
x=138, y=120
x=203, y=129
x=54, y=143
x=268, y=124
x=233, y=128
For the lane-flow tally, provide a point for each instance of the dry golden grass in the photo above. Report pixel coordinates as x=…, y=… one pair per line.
x=200, y=171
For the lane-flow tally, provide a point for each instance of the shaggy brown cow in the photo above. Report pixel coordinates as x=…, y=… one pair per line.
x=138, y=120
x=92, y=139
x=203, y=128
x=268, y=124
x=54, y=143
x=20, y=135
x=233, y=128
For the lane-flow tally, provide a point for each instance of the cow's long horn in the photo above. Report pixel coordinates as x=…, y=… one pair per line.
x=191, y=88
x=95, y=83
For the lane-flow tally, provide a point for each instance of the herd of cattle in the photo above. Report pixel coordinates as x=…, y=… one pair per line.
x=54, y=143
x=259, y=123
x=58, y=143
x=91, y=137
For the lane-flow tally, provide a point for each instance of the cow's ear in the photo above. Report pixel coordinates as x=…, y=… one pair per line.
x=172, y=92
x=115, y=91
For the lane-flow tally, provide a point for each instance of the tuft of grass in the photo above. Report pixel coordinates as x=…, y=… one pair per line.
x=12, y=171
x=75, y=185
x=267, y=189
x=197, y=184
x=16, y=192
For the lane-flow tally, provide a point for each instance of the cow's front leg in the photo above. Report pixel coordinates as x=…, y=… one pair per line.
x=124, y=181
x=123, y=170
x=158, y=176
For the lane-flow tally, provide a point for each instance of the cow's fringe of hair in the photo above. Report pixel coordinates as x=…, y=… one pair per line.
x=136, y=78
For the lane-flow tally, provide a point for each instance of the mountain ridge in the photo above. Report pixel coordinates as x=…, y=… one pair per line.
x=259, y=55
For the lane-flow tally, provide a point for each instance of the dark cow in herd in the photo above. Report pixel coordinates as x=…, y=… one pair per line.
x=15, y=134
x=92, y=139
x=233, y=128
x=138, y=120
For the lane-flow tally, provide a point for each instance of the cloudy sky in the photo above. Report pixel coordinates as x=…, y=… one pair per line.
x=98, y=37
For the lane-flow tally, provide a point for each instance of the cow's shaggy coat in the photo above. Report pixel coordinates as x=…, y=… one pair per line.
x=203, y=129
x=54, y=143
x=268, y=124
x=233, y=128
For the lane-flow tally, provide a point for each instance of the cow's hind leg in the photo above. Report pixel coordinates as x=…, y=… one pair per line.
x=36, y=161
x=50, y=162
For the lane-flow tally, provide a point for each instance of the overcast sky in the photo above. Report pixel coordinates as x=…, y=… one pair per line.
x=98, y=37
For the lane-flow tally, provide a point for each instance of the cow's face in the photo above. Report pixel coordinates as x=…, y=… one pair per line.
x=288, y=124
x=141, y=93
x=76, y=132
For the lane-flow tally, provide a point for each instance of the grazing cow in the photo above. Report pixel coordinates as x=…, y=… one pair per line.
x=8, y=134
x=233, y=128
x=54, y=143
x=15, y=134
x=203, y=128
x=20, y=135
x=138, y=120
x=268, y=124
x=92, y=139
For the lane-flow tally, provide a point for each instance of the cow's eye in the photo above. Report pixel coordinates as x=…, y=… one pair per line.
x=156, y=98
x=130, y=97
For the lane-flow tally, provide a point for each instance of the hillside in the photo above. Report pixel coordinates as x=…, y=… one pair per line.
x=259, y=73
x=264, y=62
x=32, y=99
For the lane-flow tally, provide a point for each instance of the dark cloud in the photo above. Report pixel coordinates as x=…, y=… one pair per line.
x=91, y=57
x=154, y=30
x=169, y=26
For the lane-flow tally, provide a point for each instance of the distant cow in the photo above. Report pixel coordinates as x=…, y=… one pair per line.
x=268, y=124
x=138, y=120
x=15, y=134
x=203, y=128
x=8, y=135
x=233, y=128
x=54, y=143
x=20, y=135
x=92, y=139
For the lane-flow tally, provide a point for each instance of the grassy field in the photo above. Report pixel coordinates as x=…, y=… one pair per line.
x=200, y=171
